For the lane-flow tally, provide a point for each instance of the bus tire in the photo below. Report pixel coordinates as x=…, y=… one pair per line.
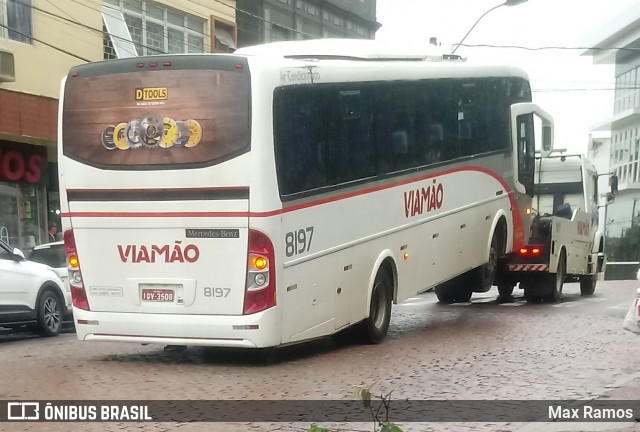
x=457, y=290
x=374, y=328
x=482, y=278
x=268, y=356
x=588, y=285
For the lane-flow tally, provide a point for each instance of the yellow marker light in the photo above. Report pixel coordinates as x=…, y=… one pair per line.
x=528, y=210
x=406, y=256
x=73, y=261
x=259, y=262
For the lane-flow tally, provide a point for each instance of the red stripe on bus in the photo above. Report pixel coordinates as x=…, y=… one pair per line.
x=518, y=227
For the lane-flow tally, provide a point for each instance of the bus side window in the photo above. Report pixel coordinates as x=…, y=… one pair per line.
x=436, y=143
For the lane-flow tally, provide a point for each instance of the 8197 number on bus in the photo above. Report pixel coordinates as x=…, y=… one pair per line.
x=298, y=242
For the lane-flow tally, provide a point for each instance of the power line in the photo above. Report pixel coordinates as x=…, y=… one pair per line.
x=78, y=23
x=45, y=43
x=552, y=48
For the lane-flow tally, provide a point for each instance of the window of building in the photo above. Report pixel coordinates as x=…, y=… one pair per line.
x=225, y=37
x=157, y=29
x=15, y=17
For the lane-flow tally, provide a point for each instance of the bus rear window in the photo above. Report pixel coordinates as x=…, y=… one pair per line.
x=148, y=119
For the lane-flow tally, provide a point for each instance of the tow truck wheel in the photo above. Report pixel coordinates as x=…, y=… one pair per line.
x=531, y=292
x=588, y=285
x=556, y=281
x=505, y=289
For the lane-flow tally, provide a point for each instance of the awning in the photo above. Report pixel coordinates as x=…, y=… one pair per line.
x=224, y=37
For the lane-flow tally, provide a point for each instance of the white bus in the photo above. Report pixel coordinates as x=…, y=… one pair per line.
x=287, y=191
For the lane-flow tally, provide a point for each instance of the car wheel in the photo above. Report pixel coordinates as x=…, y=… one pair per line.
x=50, y=314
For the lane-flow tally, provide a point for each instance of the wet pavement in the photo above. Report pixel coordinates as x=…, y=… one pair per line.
x=480, y=350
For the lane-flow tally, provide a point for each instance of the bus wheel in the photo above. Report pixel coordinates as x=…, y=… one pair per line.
x=375, y=327
x=482, y=278
x=268, y=356
x=556, y=281
x=455, y=290
x=588, y=285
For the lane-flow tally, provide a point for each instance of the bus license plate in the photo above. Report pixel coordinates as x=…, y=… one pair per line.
x=158, y=295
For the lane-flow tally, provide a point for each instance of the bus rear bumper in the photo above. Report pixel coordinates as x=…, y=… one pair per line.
x=245, y=331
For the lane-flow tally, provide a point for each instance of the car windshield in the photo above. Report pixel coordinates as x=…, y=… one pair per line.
x=52, y=256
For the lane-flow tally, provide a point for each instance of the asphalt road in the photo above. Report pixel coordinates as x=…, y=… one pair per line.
x=481, y=350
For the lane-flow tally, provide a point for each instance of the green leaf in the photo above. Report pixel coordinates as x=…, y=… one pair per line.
x=390, y=427
x=365, y=395
x=315, y=428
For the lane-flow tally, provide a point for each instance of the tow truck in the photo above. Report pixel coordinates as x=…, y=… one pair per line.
x=565, y=242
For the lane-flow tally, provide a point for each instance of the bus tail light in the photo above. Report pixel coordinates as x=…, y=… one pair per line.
x=260, y=293
x=78, y=293
x=530, y=251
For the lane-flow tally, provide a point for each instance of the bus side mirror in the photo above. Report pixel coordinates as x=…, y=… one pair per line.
x=613, y=181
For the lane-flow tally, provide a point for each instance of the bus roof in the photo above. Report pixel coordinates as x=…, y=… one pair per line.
x=368, y=50
x=363, y=53
x=363, y=49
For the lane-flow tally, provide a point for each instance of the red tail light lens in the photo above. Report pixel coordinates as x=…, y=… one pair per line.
x=78, y=293
x=530, y=251
x=260, y=293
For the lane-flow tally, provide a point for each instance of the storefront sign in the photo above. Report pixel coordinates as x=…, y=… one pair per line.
x=23, y=163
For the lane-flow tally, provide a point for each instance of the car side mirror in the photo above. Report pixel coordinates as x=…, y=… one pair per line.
x=18, y=254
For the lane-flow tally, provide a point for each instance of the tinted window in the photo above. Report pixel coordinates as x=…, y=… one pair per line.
x=5, y=251
x=172, y=117
x=334, y=134
x=52, y=256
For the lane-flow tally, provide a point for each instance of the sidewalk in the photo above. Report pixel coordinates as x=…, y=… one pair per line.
x=626, y=389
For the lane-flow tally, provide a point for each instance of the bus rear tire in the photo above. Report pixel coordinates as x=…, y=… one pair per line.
x=485, y=275
x=456, y=290
x=374, y=328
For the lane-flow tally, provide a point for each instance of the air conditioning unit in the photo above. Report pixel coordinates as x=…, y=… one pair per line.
x=7, y=67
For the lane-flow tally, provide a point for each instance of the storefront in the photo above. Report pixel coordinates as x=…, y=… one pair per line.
x=24, y=180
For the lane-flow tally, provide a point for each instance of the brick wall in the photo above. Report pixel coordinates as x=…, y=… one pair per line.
x=26, y=115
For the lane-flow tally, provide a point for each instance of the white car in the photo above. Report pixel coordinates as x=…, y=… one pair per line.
x=52, y=254
x=31, y=293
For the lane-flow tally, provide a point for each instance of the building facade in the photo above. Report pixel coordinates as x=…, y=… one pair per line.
x=40, y=41
x=261, y=21
x=618, y=43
